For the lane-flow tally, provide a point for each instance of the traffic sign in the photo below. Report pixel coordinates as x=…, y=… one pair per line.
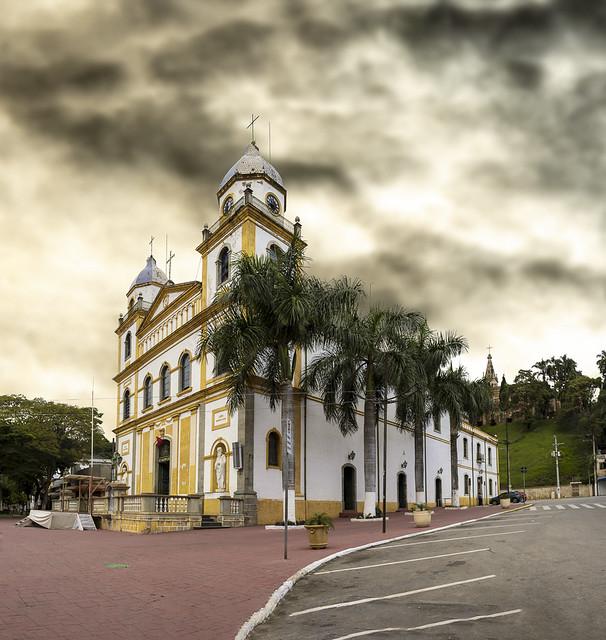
x=523, y=469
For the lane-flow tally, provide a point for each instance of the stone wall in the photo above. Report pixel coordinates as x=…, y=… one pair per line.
x=544, y=493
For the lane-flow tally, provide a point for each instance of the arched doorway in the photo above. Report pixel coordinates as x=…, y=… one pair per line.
x=480, y=493
x=349, y=488
x=402, y=499
x=163, y=483
x=439, y=501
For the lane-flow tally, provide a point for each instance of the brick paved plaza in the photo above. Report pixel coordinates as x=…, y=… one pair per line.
x=197, y=584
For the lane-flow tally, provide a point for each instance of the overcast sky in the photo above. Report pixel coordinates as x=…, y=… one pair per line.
x=449, y=153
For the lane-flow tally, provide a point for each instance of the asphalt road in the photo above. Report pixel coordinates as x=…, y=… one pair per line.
x=534, y=574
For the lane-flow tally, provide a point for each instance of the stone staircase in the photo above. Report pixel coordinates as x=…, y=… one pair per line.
x=209, y=522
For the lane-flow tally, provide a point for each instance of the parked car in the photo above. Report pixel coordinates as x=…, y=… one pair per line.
x=514, y=496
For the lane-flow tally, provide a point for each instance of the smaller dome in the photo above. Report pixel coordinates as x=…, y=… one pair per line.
x=252, y=162
x=150, y=274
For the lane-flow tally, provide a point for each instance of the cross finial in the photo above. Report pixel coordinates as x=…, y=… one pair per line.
x=489, y=347
x=151, y=246
x=251, y=126
x=169, y=262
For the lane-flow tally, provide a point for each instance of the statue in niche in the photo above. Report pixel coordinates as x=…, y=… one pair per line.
x=220, y=464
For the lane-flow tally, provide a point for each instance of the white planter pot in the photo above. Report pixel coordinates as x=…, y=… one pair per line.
x=422, y=518
x=505, y=503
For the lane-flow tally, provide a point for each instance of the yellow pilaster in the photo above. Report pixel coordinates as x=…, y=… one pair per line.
x=248, y=237
x=184, y=430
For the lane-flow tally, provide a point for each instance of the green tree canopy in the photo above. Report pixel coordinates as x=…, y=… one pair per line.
x=39, y=439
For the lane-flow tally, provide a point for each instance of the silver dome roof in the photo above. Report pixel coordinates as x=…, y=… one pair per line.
x=252, y=162
x=150, y=274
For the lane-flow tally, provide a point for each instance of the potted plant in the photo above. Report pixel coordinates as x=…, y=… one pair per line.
x=317, y=528
x=421, y=515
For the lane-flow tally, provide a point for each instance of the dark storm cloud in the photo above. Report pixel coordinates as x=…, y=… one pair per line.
x=19, y=81
x=219, y=50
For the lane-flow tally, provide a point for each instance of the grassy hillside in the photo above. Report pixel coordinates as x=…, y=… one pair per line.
x=532, y=448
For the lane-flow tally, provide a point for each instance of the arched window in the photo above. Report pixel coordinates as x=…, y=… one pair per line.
x=273, y=449
x=465, y=448
x=126, y=405
x=489, y=456
x=131, y=303
x=221, y=366
x=478, y=453
x=164, y=382
x=147, y=392
x=490, y=487
x=466, y=484
x=185, y=372
x=127, y=346
x=223, y=266
x=273, y=251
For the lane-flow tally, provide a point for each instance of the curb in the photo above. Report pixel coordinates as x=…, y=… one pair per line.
x=280, y=593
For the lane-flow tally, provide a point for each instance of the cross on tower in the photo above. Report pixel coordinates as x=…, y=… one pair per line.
x=169, y=261
x=151, y=246
x=489, y=348
x=251, y=126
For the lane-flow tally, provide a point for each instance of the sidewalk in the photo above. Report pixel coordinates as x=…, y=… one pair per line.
x=196, y=584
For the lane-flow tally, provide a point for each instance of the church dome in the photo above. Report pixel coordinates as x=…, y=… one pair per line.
x=150, y=274
x=252, y=162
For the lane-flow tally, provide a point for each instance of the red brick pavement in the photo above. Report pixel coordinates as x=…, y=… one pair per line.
x=196, y=584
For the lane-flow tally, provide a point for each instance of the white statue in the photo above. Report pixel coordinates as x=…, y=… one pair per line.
x=220, y=463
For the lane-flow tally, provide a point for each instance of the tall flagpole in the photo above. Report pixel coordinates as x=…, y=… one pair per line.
x=92, y=447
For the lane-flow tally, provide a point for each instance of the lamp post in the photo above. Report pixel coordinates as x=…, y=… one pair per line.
x=507, y=421
x=524, y=471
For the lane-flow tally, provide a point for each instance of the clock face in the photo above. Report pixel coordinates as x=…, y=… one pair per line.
x=228, y=203
x=272, y=203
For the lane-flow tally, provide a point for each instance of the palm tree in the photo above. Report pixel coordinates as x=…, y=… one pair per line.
x=434, y=393
x=268, y=313
x=361, y=357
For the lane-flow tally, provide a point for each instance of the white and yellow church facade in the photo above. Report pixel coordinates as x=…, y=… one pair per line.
x=184, y=458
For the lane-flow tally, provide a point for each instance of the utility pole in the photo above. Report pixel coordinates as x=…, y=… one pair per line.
x=556, y=453
x=92, y=449
x=523, y=471
x=595, y=465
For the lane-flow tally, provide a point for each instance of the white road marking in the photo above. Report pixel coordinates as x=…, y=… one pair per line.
x=599, y=504
x=391, y=596
x=574, y=506
x=546, y=508
x=411, y=544
x=532, y=508
x=560, y=506
x=387, y=564
x=442, y=623
x=587, y=506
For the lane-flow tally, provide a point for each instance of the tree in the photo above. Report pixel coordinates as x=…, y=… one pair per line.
x=580, y=393
x=268, y=313
x=601, y=362
x=39, y=439
x=432, y=393
x=363, y=358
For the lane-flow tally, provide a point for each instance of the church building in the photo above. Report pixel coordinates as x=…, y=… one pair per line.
x=184, y=459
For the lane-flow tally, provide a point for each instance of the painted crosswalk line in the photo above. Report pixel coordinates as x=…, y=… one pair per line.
x=587, y=506
x=560, y=506
x=532, y=509
x=599, y=504
x=574, y=506
x=546, y=508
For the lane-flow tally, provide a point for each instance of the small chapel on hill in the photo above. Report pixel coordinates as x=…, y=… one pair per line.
x=185, y=460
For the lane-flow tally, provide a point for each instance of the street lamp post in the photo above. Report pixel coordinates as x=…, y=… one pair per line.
x=524, y=471
x=507, y=421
